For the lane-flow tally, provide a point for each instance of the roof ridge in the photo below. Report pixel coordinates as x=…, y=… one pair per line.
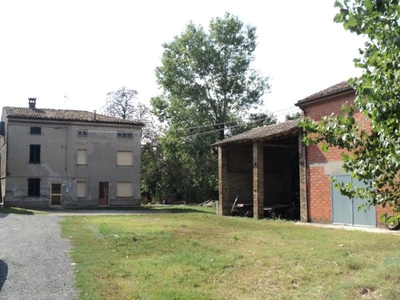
x=64, y=115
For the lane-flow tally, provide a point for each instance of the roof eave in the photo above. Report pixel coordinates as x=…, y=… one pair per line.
x=305, y=102
x=73, y=120
x=289, y=133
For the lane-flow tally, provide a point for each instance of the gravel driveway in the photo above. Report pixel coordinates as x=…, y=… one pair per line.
x=34, y=259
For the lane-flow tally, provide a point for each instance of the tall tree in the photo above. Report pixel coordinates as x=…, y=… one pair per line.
x=207, y=76
x=207, y=82
x=370, y=154
x=119, y=103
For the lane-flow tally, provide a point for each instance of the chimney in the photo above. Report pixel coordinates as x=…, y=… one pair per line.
x=32, y=102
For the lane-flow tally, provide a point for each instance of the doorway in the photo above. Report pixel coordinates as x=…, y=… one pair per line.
x=103, y=193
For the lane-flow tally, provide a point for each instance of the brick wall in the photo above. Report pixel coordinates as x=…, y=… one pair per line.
x=318, y=183
x=236, y=176
x=319, y=195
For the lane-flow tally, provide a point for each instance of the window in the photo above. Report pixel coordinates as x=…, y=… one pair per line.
x=81, y=189
x=124, y=158
x=34, y=187
x=124, y=189
x=36, y=130
x=83, y=133
x=56, y=194
x=127, y=135
x=81, y=157
x=34, y=154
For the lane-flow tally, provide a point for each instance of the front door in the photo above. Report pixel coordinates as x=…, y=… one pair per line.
x=103, y=193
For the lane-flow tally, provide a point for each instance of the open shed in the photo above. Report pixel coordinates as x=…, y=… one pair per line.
x=260, y=169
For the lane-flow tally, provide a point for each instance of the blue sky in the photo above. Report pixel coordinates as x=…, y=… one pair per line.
x=85, y=49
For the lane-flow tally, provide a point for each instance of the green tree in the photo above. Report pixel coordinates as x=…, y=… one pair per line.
x=152, y=168
x=293, y=116
x=180, y=166
x=207, y=82
x=371, y=154
x=254, y=120
x=207, y=76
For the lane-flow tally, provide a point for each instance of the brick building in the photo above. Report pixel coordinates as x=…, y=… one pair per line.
x=259, y=168
x=324, y=202
x=270, y=167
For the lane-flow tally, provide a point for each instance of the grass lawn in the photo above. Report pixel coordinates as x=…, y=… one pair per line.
x=194, y=254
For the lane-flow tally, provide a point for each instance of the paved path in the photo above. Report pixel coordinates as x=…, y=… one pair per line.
x=34, y=259
x=382, y=230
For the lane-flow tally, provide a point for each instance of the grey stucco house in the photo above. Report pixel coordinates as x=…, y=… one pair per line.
x=68, y=158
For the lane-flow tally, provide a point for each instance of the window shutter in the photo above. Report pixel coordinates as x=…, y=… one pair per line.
x=81, y=157
x=34, y=153
x=124, y=189
x=124, y=158
x=36, y=130
x=81, y=189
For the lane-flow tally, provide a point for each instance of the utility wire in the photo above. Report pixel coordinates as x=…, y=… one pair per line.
x=273, y=114
x=226, y=128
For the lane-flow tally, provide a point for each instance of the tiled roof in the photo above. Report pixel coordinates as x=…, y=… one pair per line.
x=63, y=115
x=339, y=88
x=269, y=132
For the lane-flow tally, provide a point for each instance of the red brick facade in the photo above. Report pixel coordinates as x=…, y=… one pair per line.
x=318, y=180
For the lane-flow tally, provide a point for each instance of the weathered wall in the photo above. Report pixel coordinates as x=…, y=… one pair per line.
x=318, y=174
x=236, y=176
x=59, y=144
x=239, y=177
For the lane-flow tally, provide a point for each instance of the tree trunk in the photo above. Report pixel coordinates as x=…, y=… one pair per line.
x=220, y=127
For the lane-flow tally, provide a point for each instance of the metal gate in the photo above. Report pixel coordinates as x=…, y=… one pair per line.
x=345, y=211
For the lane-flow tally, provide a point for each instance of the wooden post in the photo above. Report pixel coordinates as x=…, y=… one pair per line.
x=258, y=180
x=223, y=203
x=303, y=179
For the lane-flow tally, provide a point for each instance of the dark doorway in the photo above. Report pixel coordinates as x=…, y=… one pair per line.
x=103, y=193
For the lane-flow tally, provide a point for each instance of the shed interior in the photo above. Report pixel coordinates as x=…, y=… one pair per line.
x=281, y=174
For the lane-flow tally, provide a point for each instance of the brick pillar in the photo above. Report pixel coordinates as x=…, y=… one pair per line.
x=258, y=180
x=303, y=179
x=223, y=205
